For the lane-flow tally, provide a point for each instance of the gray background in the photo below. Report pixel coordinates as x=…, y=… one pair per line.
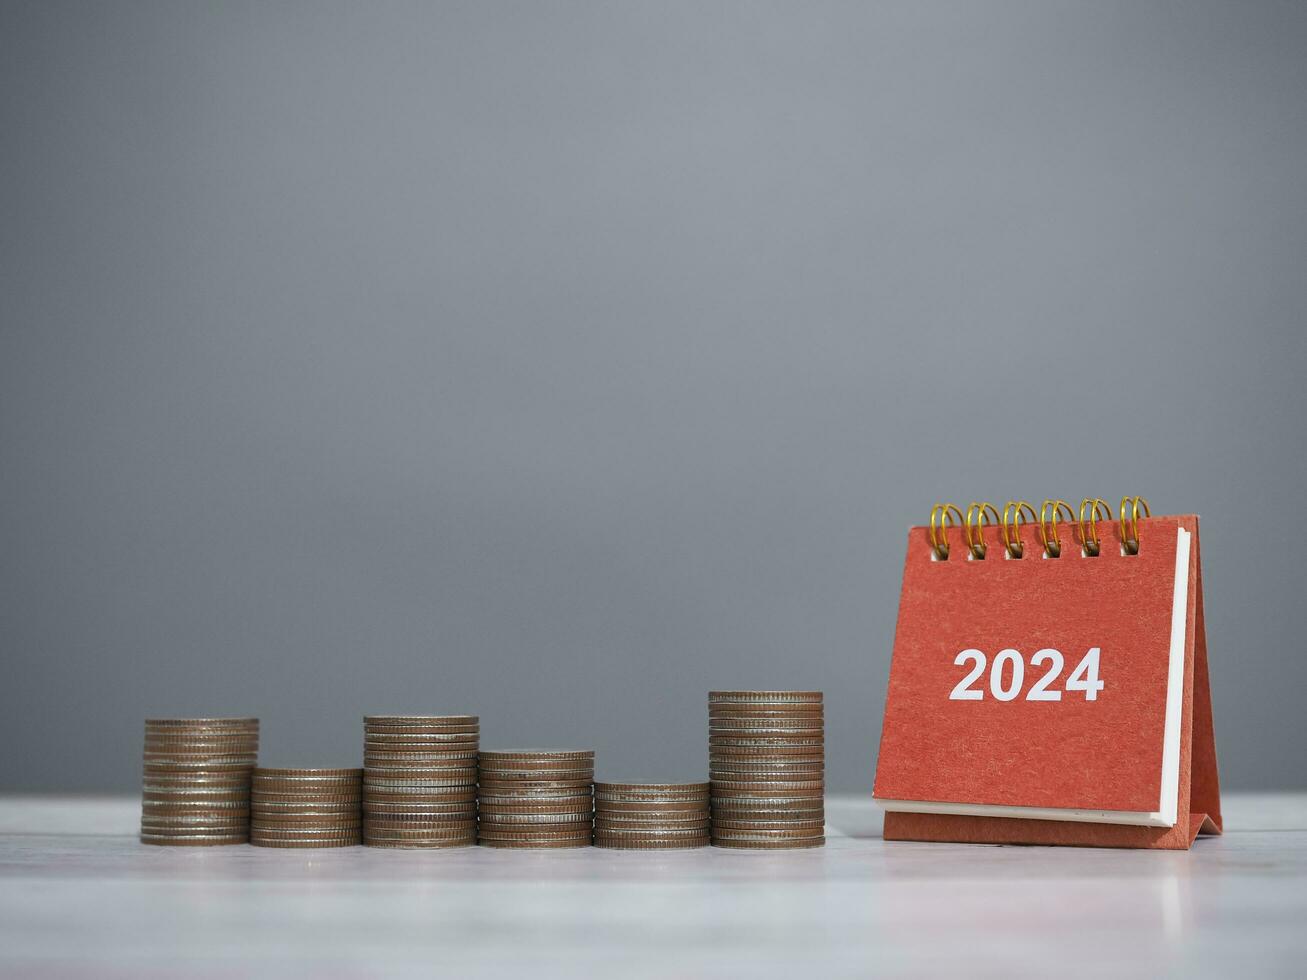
x=558, y=362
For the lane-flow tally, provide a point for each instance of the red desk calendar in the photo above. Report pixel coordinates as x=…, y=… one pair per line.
x=1049, y=683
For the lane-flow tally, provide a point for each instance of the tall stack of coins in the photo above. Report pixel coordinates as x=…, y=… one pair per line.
x=651, y=816
x=767, y=765
x=305, y=807
x=420, y=780
x=536, y=798
x=196, y=789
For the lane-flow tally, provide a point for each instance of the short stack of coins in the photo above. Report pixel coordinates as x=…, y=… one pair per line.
x=196, y=788
x=420, y=780
x=532, y=798
x=651, y=816
x=767, y=766
x=306, y=807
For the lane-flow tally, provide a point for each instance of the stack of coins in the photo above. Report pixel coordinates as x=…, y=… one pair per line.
x=767, y=766
x=651, y=816
x=305, y=807
x=536, y=798
x=419, y=780
x=197, y=780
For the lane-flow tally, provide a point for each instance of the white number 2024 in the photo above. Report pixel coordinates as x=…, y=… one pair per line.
x=1008, y=664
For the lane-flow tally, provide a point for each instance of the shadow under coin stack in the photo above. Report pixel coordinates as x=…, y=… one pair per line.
x=196, y=789
x=531, y=798
x=651, y=816
x=305, y=807
x=420, y=780
x=767, y=766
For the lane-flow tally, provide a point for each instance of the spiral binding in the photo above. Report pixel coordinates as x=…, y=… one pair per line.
x=1018, y=513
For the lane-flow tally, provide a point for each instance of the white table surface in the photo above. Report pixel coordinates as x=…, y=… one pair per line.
x=80, y=896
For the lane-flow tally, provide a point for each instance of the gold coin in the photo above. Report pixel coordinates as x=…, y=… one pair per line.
x=157, y=814
x=535, y=819
x=616, y=807
x=726, y=792
x=505, y=786
x=425, y=834
x=526, y=835
x=421, y=720
x=288, y=820
x=229, y=745
x=418, y=825
x=170, y=764
x=193, y=781
x=353, y=840
x=652, y=820
x=438, y=750
x=779, y=752
x=568, y=778
x=195, y=840
x=817, y=815
x=733, y=779
x=463, y=798
x=380, y=809
x=420, y=778
x=659, y=790
x=726, y=725
x=582, y=805
x=227, y=801
x=765, y=709
x=445, y=768
x=203, y=818
x=423, y=829
x=338, y=799
x=659, y=834
x=569, y=802
x=520, y=831
x=678, y=844
x=196, y=830
x=201, y=723
x=542, y=832
x=768, y=825
x=786, y=834
x=377, y=797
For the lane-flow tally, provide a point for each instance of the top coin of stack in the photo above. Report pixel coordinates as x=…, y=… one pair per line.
x=767, y=766
x=536, y=798
x=196, y=789
x=419, y=780
x=651, y=816
x=305, y=807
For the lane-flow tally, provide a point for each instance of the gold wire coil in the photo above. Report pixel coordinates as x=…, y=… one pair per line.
x=1049, y=511
x=978, y=517
x=1130, y=538
x=1010, y=528
x=1098, y=508
x=941, y=518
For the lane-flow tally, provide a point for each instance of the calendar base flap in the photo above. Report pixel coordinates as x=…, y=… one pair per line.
x=1050, y=833
x=1205, y=784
